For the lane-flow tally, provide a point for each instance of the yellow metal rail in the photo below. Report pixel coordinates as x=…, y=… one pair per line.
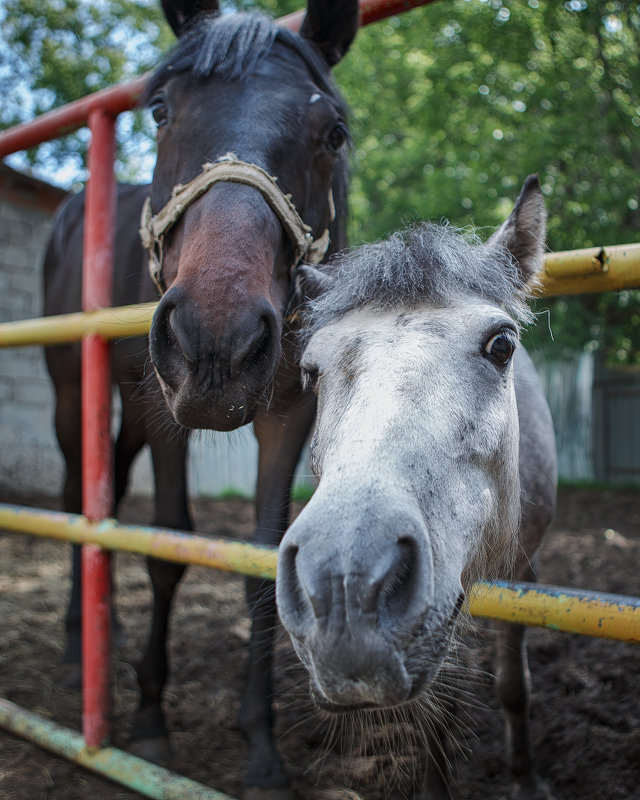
x=608, y=616
x=596, y=269
x=599, y=269
x=170, y=545
x=139, y=775
x=571, y=610
x=110, y=323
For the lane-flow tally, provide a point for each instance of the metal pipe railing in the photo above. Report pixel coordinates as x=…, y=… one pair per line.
x=580, y=271
x=567, y=272
x=97, y=470
x=572, y=610
x=143, y=777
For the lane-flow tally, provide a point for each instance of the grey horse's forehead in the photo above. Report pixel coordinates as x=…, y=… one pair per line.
x=355, y=330
x=426, y=264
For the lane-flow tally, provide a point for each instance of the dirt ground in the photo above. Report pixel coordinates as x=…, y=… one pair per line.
x=586, y=701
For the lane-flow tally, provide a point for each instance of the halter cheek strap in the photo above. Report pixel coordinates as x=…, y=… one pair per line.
x=230, y=169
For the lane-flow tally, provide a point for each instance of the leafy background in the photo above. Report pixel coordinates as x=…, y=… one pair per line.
x=453, y=105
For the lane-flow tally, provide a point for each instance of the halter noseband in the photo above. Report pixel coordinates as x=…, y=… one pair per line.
x=229, y=168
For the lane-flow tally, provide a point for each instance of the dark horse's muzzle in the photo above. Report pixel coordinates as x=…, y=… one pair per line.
x=216, y=353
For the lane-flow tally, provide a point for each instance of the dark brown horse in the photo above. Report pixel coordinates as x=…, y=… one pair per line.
x=248, y=100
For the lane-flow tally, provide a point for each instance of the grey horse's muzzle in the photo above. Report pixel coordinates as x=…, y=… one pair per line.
x=353, y=595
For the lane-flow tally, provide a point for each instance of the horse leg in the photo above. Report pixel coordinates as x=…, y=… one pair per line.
x=512, y=683
x=129, y=442
x=68, y=433
x=437, y=776
x=131, y=439
x=281, y=437
x=150, y=736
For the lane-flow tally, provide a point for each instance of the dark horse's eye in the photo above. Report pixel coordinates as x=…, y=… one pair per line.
x=501, y=347
x=159, y=111
x=337, y=137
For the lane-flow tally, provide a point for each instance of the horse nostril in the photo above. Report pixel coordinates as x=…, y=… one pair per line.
x=293, y=601
x=397, y=589
x=255, y=343
x=169, y=345
x=179, y=332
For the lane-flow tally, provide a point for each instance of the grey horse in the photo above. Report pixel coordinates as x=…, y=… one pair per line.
x=435, y=454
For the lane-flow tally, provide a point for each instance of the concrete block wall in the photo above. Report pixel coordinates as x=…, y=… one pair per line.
x=29, y=456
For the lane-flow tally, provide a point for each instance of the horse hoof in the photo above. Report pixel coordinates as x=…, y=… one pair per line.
x=256, y=793
x=156, y=750
x=68, y=675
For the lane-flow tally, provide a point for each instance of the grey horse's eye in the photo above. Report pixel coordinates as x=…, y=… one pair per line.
x=310, y=378
x=501, y=347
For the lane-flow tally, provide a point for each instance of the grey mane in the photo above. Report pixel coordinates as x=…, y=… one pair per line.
x=428, y=263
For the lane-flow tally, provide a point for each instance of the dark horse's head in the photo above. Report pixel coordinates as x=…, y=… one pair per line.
x=252, y=100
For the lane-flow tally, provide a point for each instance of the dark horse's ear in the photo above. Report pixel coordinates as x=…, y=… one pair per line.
x=180, y=12
x=332, y=26
x=523, y=233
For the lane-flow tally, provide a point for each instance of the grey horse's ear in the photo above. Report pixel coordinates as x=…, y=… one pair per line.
x=332, y=26
x=524, y=232
x=308, y=283
x=179, y=13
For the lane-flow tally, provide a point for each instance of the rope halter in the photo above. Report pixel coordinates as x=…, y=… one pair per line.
x=228, y=168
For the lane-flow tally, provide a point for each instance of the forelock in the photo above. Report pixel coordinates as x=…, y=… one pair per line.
x=232, y=45
x=428, y=263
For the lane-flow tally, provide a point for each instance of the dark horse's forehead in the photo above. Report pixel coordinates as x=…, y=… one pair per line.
x=235, y=46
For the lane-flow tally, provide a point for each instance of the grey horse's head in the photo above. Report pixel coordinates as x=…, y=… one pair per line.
x=411, y=352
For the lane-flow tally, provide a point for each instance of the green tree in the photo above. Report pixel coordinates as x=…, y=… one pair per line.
x=453, y=105
x=55, y=51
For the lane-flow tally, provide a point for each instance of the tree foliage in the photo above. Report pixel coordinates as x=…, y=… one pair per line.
x=457, y=102
x=453, y=105
x=55, y=51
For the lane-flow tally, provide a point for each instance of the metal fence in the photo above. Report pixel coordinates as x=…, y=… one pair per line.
x=594, y=270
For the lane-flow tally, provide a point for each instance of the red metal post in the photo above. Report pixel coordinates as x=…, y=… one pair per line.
x=68, y=118
x=370, y=11
x=97, y=477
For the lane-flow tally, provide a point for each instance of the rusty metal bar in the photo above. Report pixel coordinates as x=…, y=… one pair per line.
x=108, y=323
x=570, y=610
x=608, y=616
x=68, y=118
x=170, y=545
x=370, y=11
x=97, y=470
x=136, y=773
x=592, y=270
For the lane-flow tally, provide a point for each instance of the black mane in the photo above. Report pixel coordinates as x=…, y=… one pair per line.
x=427, y=263
x=233, y=45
